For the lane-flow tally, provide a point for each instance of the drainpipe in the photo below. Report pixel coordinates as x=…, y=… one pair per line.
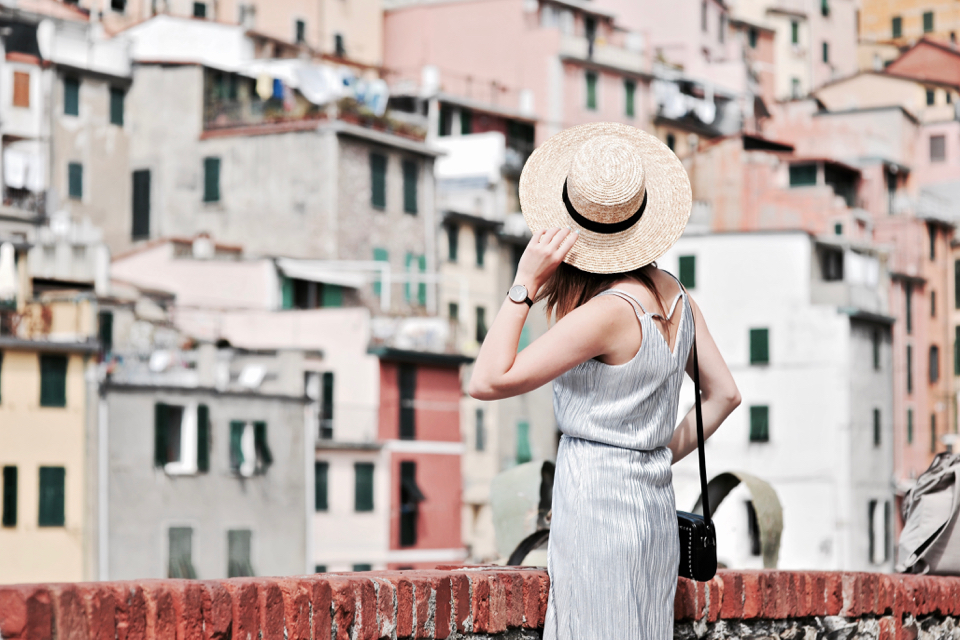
x=103, y=500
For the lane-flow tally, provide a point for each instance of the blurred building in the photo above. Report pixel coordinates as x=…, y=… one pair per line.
x=904, y=22
x=808, y=339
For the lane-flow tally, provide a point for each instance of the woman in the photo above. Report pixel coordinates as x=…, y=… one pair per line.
x=603, y=202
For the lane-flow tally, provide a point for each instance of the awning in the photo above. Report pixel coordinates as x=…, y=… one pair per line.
x=413, y=491
x=320, y=271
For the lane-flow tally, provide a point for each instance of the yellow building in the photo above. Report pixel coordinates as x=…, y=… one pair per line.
x=903, y=22
x=46, y=529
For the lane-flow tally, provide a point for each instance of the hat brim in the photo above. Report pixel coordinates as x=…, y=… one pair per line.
x=669, y=200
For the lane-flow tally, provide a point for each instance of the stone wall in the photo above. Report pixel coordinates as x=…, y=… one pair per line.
x=472, y=602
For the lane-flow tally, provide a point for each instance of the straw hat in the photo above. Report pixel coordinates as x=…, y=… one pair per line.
x=624, y=190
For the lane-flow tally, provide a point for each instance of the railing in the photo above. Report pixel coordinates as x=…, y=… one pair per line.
x=581, y=48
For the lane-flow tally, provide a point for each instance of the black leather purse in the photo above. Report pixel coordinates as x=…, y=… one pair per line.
x=698, y=537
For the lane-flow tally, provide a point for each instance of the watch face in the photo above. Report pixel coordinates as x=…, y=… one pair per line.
x=518, y=293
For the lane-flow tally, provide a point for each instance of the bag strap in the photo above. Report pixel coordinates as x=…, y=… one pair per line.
x=704, y=495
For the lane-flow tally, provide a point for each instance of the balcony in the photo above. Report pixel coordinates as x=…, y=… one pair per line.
x=581, y=49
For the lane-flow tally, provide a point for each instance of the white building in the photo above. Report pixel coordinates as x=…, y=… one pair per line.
x=802, y=323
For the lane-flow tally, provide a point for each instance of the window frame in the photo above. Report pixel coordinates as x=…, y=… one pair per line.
x=364, y=485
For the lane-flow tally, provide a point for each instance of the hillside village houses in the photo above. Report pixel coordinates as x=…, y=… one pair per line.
x=248, y=251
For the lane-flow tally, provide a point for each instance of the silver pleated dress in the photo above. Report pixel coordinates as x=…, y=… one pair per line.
x=614, y=547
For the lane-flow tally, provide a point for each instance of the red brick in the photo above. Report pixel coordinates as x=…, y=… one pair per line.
x=367, y=596
x=343, y=591
x=26, y=611
x=245, y=603
x=101, y=605
x=321, y=602
x=295, y=593
x=188, y=603
x=732, y=607
x=442, y=607
x=532, y=586
x=752, y=595
x=850, y=586
x=71, y=617
x=888, y=628
x=886, y=590
x=405, y=604
x=163, y=610
x=774, y=586
x=489, y=604
x=513, y=592
x=714, y=600
x=421, y=594
x=386, y=606
x=217, y=607
x=816, y=589
x=833, y=593
x=270, y=601
x=685, y=600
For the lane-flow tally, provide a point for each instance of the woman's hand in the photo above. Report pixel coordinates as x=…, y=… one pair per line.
x=544, y=253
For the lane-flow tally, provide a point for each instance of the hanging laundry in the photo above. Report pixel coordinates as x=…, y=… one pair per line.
x=264, y=86
x=289, y=98
x=8, y=272
x=277, y=89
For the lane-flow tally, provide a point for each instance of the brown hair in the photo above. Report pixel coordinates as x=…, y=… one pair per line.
x=569, y=287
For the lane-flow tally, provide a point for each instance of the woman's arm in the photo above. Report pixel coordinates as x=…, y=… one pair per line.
x=499, y=371
x=719, y=395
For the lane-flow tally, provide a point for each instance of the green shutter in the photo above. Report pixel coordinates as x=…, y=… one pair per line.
x=321, y=472
x=362, y=567
x=933, y=433
x=927, y=21
x=199, y=9
x=71, y=96
x=876, y=349
x=161, y=421
x=378, y=181
x=956, y=351
x=909, y=369
x=75, y=180
x=180, y=565
x=141, y=204
x=629, y=90
x=481, y=324
x=759, y=346
x=408, y=267
x=238, y=553
x=795, y=32
x=407, y=384
x=379, y=255
x=409, y=186
x=286, y=292
x=466, y=122
x=116, y=106
x=236, y=450
x=876, y=427
x=688, y=271
x=896, y=27
x=9, y=496
x=480, y=245
x=803, y=175
x=523, y=442
x=203, y=438
x=453, y=242
x=591, y=90
x=759, y=424
x=422, y=286
x=105, y=331
x=326, y=412
x=1, y=377
x=363, y=489
x=211, y=179
x=53, y=381
x=909, y=426
x=264, y=456
x=331, y=296
x=480, y=440
x=51, y=512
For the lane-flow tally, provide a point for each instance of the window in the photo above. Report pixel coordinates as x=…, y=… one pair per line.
x=118, y=5
x=378, y=181
x=480, y=439
x=794, y=32
x=629, y=92
x=956, y=284
x=931, y=98
x=21, y=89
x=320, y=568
x=453, y=241
x=180, y=561
x=71, y=96
x=105, y=331
x=75, y=180
x=753, y=529
x=722, y=28
x=909, y=426
x=879, y=534
x=838, y=229
x=591, y=78
x=181, y=438
x=116, y=106
x=410, y=498
x=688, y=271
x=363, y=566
x=51, y=512
x=481, y=324
x=927, y=21
x=363, y=486
x=300, y=32
x=759, y=346
x=933, y=433
x=480, y=245
x=379, y=255
x=932, y=234
x=759, y=424
x=896, y=27
x=956, y=351
x=339, y=48
x=409, y=186
x=413, y=263
x=249, y=452
x=933, y=304
x=825, y=8
x=53, y=381
x=453, y=311
x=703, y=16
x=876, y=349
x=795, y=88
x=407, y=381
x=1, y=374
x=199, y=10
x=938, y=148
x=909, y=369
x=141, y=204
x=803, y=175
x=326, y=406
x=672, y=142
x=466, y=122
x=211, y=179
x=238, y=553
x=908, y=298
x=752, y=37
x=934, y=364
x=9, y=518
x=320, y=488
x=826, y=51
x=524, y=453
x=876, y=427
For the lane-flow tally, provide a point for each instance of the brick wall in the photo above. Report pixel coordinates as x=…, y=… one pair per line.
x=471, y=602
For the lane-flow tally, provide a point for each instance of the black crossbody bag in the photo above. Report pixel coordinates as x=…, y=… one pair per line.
x=698, y=537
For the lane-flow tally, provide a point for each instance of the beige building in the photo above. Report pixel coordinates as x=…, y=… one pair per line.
x=903, y=22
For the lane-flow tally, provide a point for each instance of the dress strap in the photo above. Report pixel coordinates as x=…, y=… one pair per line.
x=626, y=296
x=680, y=294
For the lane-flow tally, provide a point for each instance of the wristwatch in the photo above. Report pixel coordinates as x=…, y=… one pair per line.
x=518, y=294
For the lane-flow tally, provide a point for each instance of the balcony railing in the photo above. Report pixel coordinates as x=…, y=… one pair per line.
x=583, y=49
